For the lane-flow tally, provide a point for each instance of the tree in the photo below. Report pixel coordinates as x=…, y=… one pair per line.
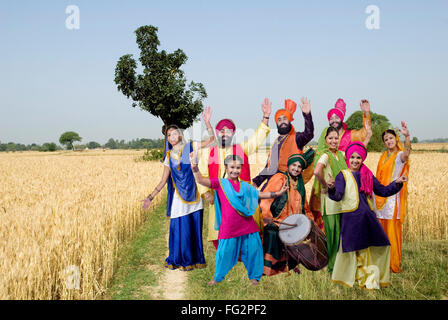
x=379, y=124
x=161, y=89
x=93, y=145
x=67, y=139
x=414, y=140
x=49, y=146
x=111, y=144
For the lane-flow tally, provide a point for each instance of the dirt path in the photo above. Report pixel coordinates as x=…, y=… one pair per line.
x=173, y=283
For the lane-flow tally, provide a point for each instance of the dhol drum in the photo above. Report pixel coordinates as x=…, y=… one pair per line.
x=304, y=241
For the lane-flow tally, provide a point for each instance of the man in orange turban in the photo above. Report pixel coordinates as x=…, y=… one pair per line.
x=289, y=141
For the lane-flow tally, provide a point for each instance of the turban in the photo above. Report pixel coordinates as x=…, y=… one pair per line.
x=339, y=109
x=366, y=174
x=288, y=111
x=225, y=123
x=305, y=159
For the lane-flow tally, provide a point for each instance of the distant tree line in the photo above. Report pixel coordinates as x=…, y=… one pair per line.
x=143, y=143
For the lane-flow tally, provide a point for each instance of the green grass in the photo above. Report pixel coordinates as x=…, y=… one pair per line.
x=424, y=276
x=140, y=261
x=140, y=268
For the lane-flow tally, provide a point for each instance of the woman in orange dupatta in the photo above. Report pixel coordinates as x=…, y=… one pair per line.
x=391, y=211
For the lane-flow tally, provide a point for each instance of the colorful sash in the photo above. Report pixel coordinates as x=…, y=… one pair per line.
x=345, y=140
x=181, y=178
x=245, y=201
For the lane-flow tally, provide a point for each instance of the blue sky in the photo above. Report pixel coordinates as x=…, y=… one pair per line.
x=53, y=79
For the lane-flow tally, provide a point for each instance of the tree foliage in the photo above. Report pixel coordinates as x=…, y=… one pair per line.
x=379, y=124
x=162, y=88
x=67, y=139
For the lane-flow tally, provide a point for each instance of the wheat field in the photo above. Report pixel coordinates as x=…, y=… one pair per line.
x=64, y=215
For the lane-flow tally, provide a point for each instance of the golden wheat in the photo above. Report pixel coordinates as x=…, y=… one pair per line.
x=63, y=217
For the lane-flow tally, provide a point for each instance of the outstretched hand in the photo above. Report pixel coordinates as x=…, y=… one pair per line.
x=365, y=106
x=207, y=114
x=146, y=203
x=266, y=107
x=283, y=189
x=306, y=105
x=404, y=129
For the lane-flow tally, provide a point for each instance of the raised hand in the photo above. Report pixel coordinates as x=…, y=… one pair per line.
x=404, y=129
x=365, y=106
x=266, y=107
x=207, y=114
x=305, y=106
x=283, y=189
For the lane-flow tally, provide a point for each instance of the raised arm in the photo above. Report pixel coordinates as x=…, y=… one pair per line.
x=369, y=133
x=302, y=138
x=251, y=145
x=197, y=174
x=206, y=115
x=360, y=135
x=389, y=190
x=407, y=142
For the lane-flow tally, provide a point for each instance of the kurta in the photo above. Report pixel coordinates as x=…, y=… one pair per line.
x=330, y=209
x=232, y=224
x=276, y=259
x=249, y=147
x=301, y=140
x=364, y=249
x=238, y=235
x=392, y=210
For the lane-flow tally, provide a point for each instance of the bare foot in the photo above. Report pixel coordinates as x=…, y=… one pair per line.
x=212, y=283
x=254, y=282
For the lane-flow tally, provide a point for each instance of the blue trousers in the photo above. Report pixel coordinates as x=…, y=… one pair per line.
x=185, y=242
x=251, y=255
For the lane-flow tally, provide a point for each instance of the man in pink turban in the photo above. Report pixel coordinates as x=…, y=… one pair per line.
x=335, y=118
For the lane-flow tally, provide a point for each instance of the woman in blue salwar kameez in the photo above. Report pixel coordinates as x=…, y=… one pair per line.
x=184, y=204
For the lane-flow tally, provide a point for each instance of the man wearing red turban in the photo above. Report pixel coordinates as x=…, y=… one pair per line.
x=289, y=141
x=211, y=161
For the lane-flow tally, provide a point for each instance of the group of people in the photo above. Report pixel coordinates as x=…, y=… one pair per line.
x=360, y=214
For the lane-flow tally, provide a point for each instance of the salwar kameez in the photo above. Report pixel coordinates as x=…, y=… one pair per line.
x=364, y=249
x=235, y=205
x=185, y=209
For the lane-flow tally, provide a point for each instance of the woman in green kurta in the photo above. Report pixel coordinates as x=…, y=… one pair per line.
x=329, y=161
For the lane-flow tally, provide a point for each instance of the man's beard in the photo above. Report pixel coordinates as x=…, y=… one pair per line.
x=226, y=142
x=336, y=125
x=284, y=128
